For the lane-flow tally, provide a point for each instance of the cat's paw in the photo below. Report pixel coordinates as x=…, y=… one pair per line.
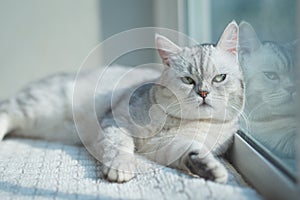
x=207, y=167
x=119, y=170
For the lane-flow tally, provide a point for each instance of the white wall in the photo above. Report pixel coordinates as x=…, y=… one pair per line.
x=121, y=15
x=40, y=37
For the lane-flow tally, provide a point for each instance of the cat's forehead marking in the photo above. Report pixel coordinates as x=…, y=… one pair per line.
x=199, y=59
x=202, y=61
x=207, y=51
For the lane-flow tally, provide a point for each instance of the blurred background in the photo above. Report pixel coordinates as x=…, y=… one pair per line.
x=41, y=37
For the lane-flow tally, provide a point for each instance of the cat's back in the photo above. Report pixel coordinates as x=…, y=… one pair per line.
x=59, y=88
x=44, y=108
x=122, y=77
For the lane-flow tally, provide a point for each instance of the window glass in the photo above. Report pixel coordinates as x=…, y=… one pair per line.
x=268, y=49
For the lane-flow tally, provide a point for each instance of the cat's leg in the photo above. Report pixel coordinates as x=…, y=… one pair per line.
x=206, y=166
x=114, y=148
x=4, y=124
x=8, y=119
x=187, y=155
x=16, y=114
x=41, y=110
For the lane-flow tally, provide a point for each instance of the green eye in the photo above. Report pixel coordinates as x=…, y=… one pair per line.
x=219, y=78
x=271, y=75
x=188, y=80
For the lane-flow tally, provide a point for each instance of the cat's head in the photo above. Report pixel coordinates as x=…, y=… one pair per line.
x=206, y=79
x=269, y=75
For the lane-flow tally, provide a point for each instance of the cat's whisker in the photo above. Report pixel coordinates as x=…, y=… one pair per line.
x=190, y=101
x=277, y=98
x=277, y=94
x=177, y=101
x=126, y=125
x=174, y=105
x=242, y=115
x=182, y=102
x=251, y=115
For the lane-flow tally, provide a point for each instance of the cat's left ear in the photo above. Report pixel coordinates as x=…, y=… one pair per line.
x=229, y=38
x=292, y=45
x=165, y=48
x=293, y=48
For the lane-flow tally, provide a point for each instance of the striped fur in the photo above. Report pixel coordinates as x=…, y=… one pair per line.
x=163, y=119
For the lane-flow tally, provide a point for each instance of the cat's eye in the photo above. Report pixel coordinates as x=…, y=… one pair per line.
x=271, y=75
x=219, y=78
x=188, y=80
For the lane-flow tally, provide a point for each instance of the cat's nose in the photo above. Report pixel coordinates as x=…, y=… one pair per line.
x=203, y=94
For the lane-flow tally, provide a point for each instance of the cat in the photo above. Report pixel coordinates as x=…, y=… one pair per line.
x=269, y=72
x=183, y=117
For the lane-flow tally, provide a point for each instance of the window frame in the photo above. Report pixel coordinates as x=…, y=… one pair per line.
x=261, y=173
x=269, y=179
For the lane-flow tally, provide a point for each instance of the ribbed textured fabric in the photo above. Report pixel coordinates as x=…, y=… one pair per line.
x=34, y=169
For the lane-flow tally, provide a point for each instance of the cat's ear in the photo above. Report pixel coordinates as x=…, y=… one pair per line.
x=293, y=48
x=249, y=41
x=229, y=39
x=165, y=48
x=292, y=45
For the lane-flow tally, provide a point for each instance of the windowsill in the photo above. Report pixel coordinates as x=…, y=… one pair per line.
x=261, y=173
x=40, y=169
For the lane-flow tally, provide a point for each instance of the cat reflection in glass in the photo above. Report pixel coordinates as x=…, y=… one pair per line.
x=270, y=107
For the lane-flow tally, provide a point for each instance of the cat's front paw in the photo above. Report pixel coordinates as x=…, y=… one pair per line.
x=207, y=167
x=120, y=170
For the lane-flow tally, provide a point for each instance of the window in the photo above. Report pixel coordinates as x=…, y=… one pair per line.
x=265, y=148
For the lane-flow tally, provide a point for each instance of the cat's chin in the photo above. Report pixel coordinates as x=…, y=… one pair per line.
x=193, y=115
x=202, y=112
x=205, y=106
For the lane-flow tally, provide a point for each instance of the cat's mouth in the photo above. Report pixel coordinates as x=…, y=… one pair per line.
x=205, y=104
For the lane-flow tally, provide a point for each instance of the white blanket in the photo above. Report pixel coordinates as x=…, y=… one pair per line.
x=34, y=169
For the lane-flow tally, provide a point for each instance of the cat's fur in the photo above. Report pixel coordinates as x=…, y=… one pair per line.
x=165, y=120
x=269, y=70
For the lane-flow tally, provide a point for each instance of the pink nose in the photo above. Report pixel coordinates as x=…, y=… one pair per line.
x=203, y=94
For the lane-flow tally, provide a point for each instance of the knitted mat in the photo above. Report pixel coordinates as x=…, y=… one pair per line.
x=34, y=169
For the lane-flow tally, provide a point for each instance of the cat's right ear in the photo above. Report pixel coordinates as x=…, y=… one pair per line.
x=165, y=48
x=248, y=39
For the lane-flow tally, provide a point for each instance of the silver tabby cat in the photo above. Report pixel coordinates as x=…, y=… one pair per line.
x=270, y=109
x=183, y=117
